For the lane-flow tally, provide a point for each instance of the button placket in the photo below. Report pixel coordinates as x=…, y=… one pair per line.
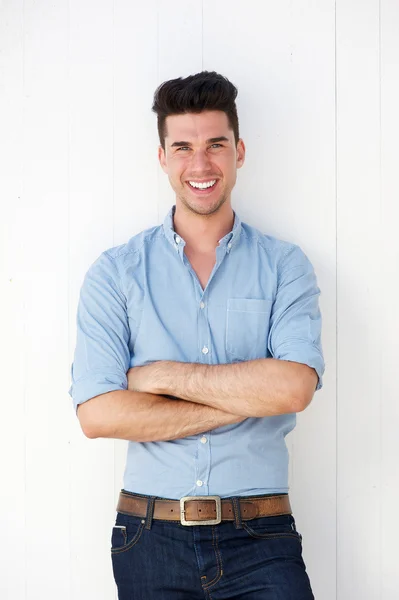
x=203, y=445
x=204, y=462
x=204, y=329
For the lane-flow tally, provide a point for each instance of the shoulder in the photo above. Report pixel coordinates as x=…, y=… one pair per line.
x=115, y=261
x=282, y=250
x=135, y=245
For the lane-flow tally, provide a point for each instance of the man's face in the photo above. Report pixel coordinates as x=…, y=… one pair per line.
x=200, y=149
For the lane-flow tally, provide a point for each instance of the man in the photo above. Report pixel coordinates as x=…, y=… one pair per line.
x=198, y=341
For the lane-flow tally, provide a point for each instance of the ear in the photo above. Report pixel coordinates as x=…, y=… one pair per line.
x=240, y=153
x=162, y=158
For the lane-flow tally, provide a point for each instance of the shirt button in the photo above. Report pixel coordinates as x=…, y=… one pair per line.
x=199, y=483
x=204, y=440
x=177, y=239
x=202, y=305
x=204, y=350
x=229, y=245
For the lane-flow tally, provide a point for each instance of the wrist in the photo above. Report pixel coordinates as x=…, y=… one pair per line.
x=174, y=378
x=161, y=380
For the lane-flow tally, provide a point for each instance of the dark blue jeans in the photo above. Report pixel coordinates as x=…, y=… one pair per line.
x=163, y=560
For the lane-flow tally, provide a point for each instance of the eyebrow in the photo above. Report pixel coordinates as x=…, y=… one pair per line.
x=215, y=140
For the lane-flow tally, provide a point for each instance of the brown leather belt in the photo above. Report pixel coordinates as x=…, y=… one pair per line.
x=204, y=510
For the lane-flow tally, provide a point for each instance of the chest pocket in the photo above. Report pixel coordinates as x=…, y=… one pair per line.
x=247, y=328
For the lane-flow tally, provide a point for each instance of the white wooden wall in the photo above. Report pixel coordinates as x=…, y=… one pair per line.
x=318, y=104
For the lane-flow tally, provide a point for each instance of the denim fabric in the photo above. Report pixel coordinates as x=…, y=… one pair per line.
x=169, y=561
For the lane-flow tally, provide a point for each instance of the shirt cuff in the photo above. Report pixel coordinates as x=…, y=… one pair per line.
x=94, y=384
x=306, y=355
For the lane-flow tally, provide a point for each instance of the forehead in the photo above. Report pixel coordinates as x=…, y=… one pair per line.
x=205, y=125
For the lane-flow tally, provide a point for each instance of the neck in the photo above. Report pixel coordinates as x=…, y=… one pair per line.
x=203, y=232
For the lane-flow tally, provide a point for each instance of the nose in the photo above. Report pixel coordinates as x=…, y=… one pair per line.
x=200, y=161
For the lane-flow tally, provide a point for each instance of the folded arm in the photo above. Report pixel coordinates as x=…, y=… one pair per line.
x=256, y=388
x=141, y=417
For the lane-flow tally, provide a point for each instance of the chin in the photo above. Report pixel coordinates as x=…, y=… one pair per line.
x=203, y=209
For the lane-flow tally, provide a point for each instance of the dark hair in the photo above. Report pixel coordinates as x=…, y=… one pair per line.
x=204, y=91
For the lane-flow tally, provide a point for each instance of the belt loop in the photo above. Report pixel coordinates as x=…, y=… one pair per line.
x=237, y=513
x=150, y=512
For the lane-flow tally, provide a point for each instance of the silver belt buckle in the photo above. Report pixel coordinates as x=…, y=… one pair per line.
x=216, y=521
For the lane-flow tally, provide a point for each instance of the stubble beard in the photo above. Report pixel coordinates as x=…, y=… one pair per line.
x=198, y=209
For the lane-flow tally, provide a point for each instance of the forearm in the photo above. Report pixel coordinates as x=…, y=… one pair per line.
x=257, y=388
x=143, y=417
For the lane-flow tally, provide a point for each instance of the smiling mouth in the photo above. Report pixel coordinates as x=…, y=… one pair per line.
x=202, y=188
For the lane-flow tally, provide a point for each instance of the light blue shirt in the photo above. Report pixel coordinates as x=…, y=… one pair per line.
x=142, y=302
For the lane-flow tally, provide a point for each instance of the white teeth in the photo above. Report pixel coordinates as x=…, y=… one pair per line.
x=202, y=186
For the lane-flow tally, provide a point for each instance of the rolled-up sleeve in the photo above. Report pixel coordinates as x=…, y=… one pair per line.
x=295, y=323
x=102, y=356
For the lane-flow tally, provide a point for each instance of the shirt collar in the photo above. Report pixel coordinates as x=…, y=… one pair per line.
x=168, y=228
x=228, y=241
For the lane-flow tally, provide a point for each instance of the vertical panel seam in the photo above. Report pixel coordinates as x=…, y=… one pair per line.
x=380, y=287
x=158, y=170
x=69, y=271
x=336, y=300
x=113, y=122
x=202, y=35
x=24, y=311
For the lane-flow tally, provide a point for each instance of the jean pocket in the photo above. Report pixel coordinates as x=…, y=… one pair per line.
x=125, y=533
x=247, y=328
x=272, y=527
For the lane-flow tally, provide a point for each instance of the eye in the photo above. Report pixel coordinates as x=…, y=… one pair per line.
x=217, y=145
x=183, y=148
